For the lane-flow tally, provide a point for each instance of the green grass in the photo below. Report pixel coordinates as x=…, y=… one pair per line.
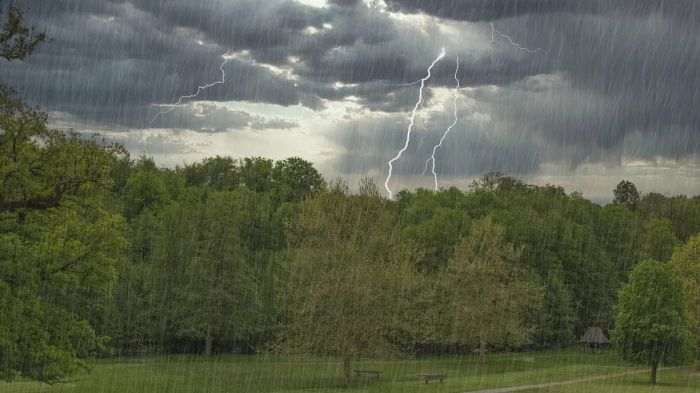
x=267, y=374
x=681, y=380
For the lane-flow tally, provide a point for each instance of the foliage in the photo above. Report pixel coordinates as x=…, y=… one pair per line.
x=488, y=293
x=294, y=180
x=651, y=317
x=626, y=193
x=17, y=40
x=686, y=263
x=349, y=281
x=204, y=287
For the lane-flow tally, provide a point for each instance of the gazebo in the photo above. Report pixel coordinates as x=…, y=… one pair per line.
x=594, y=337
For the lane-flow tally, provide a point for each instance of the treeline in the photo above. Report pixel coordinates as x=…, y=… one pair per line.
x=103, y=254
x=210, y=245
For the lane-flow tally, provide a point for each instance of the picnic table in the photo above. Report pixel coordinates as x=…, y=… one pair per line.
x=368, y=373
x=431, y=377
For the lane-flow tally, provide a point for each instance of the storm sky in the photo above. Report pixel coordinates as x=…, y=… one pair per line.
x=612, y=93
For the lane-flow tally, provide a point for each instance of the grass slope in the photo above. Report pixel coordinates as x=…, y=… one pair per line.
x=267, y=374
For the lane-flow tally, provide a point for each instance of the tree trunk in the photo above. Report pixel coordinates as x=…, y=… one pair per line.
x=482, y=351
x=346, y=371
x=208, y=342
x=654, y=366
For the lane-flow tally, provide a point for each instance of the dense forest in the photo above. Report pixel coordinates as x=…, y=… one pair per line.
x=103, y=254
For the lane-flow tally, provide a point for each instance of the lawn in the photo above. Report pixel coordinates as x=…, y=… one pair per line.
x=682, y=380
x=262, y=374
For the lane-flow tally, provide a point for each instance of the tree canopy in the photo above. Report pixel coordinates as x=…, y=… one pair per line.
x=651, y=317
x=349, y=279
x=485, y=293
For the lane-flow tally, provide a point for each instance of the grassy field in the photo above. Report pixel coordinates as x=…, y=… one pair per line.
x=261, y=374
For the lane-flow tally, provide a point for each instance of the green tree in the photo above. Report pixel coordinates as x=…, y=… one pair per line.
x=349, y=285
x=57, y=266
x=203, y=288
x=220, y=291
x=256, y=173
x=659, y=239
x=626, y=193
x=144, y=189
x=651, y=317
x=59, y=243
x=295, y=179
x=221, y=173
x=686, y=263
x=490, y=295
x=18, y=40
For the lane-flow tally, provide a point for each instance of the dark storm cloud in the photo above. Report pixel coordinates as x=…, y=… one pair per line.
x=621, y=74
x=113, y=61
x=618, y=83
x=211, y=118
x=488, y=10
x=616, y=78
x=236, y=25
x=345, y=3
x=471, y=149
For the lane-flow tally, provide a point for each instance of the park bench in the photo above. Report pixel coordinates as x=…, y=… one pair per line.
x=432, y=377
x=368, y=373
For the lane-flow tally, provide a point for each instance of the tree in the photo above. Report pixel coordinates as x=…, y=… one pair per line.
x=349, y=285
x=38, y=167
x=651, y=317
x=489, y=295
x=220, y=290
x=295, y=179
x=56, y=266
x=626, y=193
x=221, y=173
x=17, y=40
x=659, y=240
x=686, y=263
x=59, y=241
x=144, y=189
x=256, y=173
x=202, y=286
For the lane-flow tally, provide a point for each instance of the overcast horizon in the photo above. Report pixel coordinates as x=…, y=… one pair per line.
x=580, y=94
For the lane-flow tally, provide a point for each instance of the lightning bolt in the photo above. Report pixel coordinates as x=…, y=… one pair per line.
x=412, y=119
x=457, y=96
x=199, y=90
x=510, y=40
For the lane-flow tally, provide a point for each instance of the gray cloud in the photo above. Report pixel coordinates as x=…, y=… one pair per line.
x=618, y=79
x=471, y=149
x=204, y=117
x=487, y=10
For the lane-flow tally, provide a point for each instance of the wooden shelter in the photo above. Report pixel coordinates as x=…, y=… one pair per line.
x=594, y=337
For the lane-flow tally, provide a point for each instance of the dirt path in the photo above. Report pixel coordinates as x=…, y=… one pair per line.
x=559, y=383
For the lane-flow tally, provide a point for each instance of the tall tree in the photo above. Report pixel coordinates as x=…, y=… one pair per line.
x=295, y=179
x=488, y=293
x=202, y=287
x=626, y=193
x=256, y=173
x=220, y=290
x=686, y=263
x=349, y=280
x=651, y=317
x=59, y=242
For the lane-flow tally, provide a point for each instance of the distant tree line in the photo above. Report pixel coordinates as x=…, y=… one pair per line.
x=103, y=254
